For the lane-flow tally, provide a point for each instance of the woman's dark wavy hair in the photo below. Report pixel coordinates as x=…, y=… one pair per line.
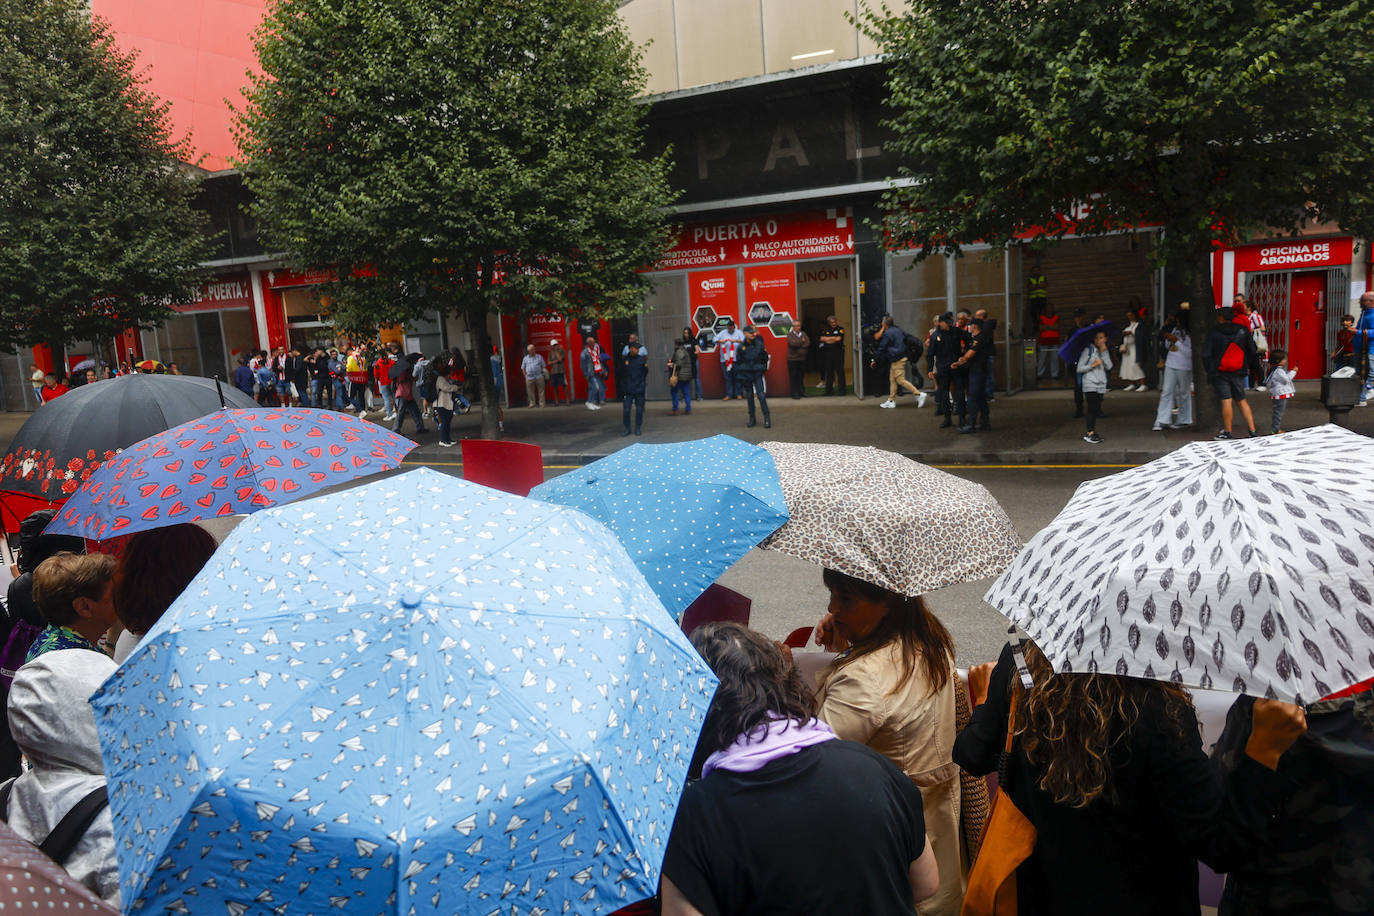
x=755, y=680
x=1071, y=726
x=925, y=641
x=155, y=567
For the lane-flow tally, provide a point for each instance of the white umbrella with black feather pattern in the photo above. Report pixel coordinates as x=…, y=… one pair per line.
x=1244, y=566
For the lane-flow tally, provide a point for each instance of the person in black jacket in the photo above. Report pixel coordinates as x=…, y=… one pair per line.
x=976, y=358
x=892, y=350
x=750, y=364
x=1228, y=353
x=634, y=375
x=947, y=344
x=990, y=358
x=1110, y=771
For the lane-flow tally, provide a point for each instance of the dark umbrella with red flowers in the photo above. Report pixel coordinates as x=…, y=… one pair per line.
x=230, y=462
x=69, y=437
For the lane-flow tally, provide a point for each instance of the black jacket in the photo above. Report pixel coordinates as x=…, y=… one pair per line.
x=1137, y=856
x=634, y=373
x=945, y=348
x=1222, y=336
x=752, y=359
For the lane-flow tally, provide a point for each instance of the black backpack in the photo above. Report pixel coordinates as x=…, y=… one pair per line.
x=914, y=347
x=61, y=842
x=429, y=384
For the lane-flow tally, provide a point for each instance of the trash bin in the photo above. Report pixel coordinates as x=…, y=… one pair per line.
x=1340, y=394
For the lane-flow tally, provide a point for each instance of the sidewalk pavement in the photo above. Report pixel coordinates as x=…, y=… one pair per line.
x=1034, y=427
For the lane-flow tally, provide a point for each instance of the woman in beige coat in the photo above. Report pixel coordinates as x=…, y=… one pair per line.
x=892, y=688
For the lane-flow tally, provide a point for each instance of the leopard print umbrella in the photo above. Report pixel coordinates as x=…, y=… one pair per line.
x=885, y=519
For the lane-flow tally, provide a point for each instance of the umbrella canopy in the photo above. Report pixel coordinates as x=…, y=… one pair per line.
x=74, y=434
x=1071, y=348
x=1237, y=566
x=885, y=519
x=416, y=696
x=230, y=462
x=34, y=883
x=404, y=365
x=686, y=511
x=87, y=363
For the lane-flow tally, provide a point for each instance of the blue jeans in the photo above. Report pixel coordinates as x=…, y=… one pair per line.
x=684, y=389
x=1369, y=379
x=596, y=390
x=340, y=393
x=732, y=383
x=388, y=399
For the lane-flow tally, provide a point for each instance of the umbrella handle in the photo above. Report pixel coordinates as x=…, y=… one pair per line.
x=1018, y=654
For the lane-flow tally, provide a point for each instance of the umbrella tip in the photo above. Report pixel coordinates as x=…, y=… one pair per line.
x=412, y=599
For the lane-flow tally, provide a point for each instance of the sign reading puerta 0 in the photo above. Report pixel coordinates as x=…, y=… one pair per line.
x=751, y=240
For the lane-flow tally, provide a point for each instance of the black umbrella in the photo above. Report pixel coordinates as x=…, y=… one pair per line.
x=73, y=434
x=404, y=366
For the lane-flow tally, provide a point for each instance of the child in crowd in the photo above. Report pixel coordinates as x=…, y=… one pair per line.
x=1280, y=385
x=1095, y=366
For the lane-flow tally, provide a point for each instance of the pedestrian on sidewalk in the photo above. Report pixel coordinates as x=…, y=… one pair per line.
x=1343, y=354
x=1047, y=343
x=1176, y=392
x=1228, y=353
x=892, y=350
x=990, y=359
x=404, y=395
x=798, y=345
x=975, y=358
x=445, y=401
x=381, y=372
x=727, y=345
x=558, y=368
x=947, y=344
x=1279, y=383
x=831, y=347
x=595, y=369
x=498, y=383
x=634, y=377
x=1132, y=372
x=693, y=345
x=533, y=367
x=1094, y=368
x=1364, y=345
x=750, y=366
x=680, y=373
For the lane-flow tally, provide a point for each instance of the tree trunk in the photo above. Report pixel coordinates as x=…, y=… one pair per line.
x=1202, y=317
x=476, y=314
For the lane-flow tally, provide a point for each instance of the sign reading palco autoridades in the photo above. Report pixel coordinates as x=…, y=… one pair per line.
x=1295, y=254
x=751, y=240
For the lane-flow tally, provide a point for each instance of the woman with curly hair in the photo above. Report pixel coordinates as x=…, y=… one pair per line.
x=749, y=838
x=892, y=688
x=1110, y=771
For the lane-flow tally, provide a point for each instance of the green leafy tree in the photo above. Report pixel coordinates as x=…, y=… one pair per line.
x=465, y=155
x=1215, y=119
x=97, y=227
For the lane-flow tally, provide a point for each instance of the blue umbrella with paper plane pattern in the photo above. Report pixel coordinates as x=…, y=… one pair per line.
x=685, y=511
x=417, y=696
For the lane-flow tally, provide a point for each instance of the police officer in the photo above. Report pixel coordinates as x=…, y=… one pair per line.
x=974, y=361
x=832, y=355
x=947, y=344
x=750, y=365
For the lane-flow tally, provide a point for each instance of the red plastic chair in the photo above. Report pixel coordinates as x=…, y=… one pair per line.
x=516, y=467
x=715, y=604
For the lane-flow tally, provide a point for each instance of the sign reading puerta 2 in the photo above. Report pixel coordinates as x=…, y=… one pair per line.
x=780, y=237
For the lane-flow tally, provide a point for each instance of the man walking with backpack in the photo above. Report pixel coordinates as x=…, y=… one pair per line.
x=892, y=349
x=1227, y=353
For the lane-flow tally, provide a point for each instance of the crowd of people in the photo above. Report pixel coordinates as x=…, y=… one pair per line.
x=856, y=787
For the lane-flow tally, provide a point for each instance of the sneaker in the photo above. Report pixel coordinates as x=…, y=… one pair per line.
x=446, y=445
x=1093, y=439
x=888, y=403
x=591, y=406
x=1157, y=428
x=921, y=399
x=1361, y=403
x=1223, y=435
x=388, y=417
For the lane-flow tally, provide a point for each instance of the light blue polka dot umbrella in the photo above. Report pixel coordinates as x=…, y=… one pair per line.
x=686, y=511
x=414, y=696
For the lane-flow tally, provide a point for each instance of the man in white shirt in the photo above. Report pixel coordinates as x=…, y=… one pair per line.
x=727, y=345
x=1178, y=376
x=533, y=367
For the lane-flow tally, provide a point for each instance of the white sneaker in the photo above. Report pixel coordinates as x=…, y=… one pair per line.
x=446, y=444
x=888, y=403
x=388, y=417
x=1157, y=428
x=921, y=399
x=1361, y=403
x=591, y=406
